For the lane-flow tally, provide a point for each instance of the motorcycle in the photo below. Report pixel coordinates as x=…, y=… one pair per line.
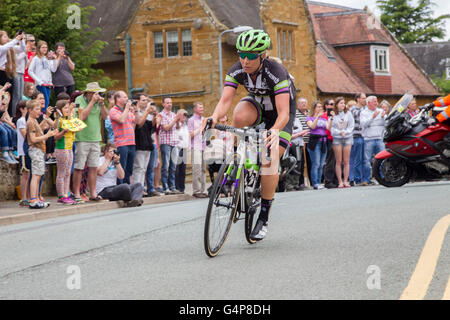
x=416, y=147
x=288, y=162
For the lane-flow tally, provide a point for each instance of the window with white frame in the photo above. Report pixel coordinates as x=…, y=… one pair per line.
x=447, y=73
x=176, y=42
x=187, y=42
x=172, y=43
x=379, y=60
x=158, y=45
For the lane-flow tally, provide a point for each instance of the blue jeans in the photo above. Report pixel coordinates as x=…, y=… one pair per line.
x=168, y=167
x=127, y=154
x=317, y=162
x=371, y=148
x=46, y=92
x=17, y=92
x=8, y=137
x=151, y=169
x=357, y=160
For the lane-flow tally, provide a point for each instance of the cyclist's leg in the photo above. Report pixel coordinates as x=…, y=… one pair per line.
x=269, y=181
x=248, y=113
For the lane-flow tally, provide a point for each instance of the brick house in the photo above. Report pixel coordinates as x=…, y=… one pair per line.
x=170, y=48
x=356, y=53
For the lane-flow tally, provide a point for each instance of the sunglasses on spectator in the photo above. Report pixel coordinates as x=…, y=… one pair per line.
x=248, y=55
x=31, y=40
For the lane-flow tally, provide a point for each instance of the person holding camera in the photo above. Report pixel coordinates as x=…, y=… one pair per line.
x=329, y=169
x=20, y=51
x=8, y=62
x=319, y=122
x=41, y=68
x=62, y=77
x=144, y=142
x=124, y=118
x=89, y=108
x=109, y=171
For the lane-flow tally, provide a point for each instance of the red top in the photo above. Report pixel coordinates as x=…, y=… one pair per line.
x=26, y=76
x=123, y=132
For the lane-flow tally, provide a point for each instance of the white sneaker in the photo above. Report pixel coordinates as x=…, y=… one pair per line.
x=260, y=231
x=319, y=187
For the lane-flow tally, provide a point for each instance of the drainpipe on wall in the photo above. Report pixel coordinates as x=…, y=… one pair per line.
x=131, y=90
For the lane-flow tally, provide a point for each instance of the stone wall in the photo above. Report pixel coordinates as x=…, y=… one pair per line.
x=10, y=179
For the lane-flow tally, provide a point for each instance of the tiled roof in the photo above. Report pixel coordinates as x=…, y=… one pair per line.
x=113, y=18
x=337, y=26
x=432, y=57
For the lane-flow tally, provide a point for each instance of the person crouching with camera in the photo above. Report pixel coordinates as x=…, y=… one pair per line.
x=108, y=172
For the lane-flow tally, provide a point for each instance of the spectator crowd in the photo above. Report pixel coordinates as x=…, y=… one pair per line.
x=336, y=141
x=145, y=152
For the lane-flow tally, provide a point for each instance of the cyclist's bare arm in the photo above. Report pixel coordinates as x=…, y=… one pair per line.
x=282, y=105
x=224, y=104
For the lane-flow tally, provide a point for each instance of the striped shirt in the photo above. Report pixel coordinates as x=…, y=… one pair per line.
x=123, y=132
x=302, y=117
x=356, y=113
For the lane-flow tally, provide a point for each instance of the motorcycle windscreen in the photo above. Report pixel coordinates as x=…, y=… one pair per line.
x=403, y=103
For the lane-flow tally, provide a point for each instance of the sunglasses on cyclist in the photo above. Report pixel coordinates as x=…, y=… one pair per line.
x=249, y=55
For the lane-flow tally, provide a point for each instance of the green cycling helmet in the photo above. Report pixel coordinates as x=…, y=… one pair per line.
x=253, y=40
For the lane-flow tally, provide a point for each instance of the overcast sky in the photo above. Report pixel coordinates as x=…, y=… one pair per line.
x=442, y=7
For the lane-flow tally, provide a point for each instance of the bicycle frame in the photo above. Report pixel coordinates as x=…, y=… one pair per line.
x=250, y=141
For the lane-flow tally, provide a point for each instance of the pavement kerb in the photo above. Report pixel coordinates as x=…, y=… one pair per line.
x=61, y=211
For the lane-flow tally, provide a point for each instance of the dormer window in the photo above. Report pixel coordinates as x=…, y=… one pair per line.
x=379, y=60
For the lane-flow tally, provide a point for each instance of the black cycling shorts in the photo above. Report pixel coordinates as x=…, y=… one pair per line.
x=270, y=117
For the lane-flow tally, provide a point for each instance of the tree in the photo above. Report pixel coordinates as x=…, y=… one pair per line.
x=50, y=20
x=442, y=83
x=412, y=24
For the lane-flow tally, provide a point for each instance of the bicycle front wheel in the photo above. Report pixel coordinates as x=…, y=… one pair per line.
x=222, y=206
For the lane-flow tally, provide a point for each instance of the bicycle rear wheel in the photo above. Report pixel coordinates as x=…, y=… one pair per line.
x=222, y=207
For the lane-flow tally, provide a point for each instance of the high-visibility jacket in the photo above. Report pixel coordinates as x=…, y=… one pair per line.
x=444, y=115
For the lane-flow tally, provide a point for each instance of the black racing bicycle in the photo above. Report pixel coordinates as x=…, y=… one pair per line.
x=236, y=191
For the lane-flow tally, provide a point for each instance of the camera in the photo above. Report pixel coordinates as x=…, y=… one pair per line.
x=67, y=53
x=20, y=32
x=101, y=94
x=329, y=112
x=134, y=103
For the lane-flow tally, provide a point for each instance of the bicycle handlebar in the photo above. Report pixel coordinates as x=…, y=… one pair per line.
x=255, y=133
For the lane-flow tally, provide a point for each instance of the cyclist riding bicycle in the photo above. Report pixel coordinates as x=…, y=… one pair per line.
x=270, y=100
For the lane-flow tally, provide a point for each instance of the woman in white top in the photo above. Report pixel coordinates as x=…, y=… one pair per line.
x=7, y=60
x=20, y=51
x=41, y=68
x=342, y=132
x=183, y=145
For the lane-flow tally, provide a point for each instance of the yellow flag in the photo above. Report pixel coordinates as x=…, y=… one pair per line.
x=73, y=125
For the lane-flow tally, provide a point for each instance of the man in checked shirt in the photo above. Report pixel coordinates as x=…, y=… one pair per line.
x=167, y=144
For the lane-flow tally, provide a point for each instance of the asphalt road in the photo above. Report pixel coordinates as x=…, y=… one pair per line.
x=358, y=243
